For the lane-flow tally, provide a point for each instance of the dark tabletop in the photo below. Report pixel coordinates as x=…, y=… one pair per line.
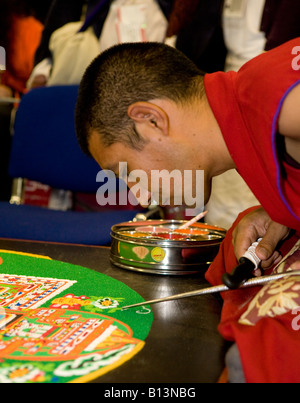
x=183, y=345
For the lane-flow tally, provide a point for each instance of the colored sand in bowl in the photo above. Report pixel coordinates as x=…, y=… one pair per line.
x=172, y=236
x=190, y=232
x=155, y=230
x=137, y=235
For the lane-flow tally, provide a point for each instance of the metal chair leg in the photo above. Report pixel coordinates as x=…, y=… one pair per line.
x=17, y=194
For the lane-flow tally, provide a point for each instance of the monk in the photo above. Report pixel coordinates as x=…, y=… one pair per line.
x=148, y=105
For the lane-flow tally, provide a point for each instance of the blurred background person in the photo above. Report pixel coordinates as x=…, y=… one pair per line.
x=21, y=24
x=196, y=26
x=280, y=22
x=242, y=31
x=250, y=28
x=63, y=12
x=64, y=20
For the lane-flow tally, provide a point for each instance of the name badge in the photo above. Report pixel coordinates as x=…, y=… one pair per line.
x=132, y=23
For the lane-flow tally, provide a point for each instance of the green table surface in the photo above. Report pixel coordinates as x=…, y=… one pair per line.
x=183, y=346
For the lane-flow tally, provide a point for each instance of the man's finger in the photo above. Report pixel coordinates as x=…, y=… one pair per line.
x=274, y=234
x=249, y=230
x=296, y=265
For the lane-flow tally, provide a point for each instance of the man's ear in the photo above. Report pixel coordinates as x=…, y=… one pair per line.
x=151, y=115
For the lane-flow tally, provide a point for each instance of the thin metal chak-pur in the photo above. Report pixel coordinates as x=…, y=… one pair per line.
x=254, y=282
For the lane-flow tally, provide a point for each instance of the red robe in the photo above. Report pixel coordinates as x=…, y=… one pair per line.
x=269, y=347
x=247, y=106
x=264, y=322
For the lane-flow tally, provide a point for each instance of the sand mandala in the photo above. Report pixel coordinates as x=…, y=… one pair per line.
x=64, y=323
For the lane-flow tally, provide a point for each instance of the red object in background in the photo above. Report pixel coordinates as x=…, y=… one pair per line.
x=36, y=194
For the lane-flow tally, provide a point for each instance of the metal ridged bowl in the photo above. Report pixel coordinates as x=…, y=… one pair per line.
x=145, y=247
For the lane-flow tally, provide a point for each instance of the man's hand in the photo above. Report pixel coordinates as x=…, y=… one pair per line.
x=296, y=265
x=255, y=225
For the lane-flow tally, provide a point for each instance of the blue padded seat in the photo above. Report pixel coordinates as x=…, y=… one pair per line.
x=45, y=149
x=35, y=223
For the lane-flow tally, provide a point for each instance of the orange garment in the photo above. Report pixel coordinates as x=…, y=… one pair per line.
x=25, y=38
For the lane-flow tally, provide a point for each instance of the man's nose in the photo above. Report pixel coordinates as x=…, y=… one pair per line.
x=144, y=197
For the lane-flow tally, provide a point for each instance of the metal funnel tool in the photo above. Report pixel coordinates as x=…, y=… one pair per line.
x=254, y=282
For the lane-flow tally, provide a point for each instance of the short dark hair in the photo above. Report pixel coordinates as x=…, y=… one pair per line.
x=123, y=75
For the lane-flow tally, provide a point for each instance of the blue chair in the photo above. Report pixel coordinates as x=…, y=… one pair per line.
x=45, y=150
